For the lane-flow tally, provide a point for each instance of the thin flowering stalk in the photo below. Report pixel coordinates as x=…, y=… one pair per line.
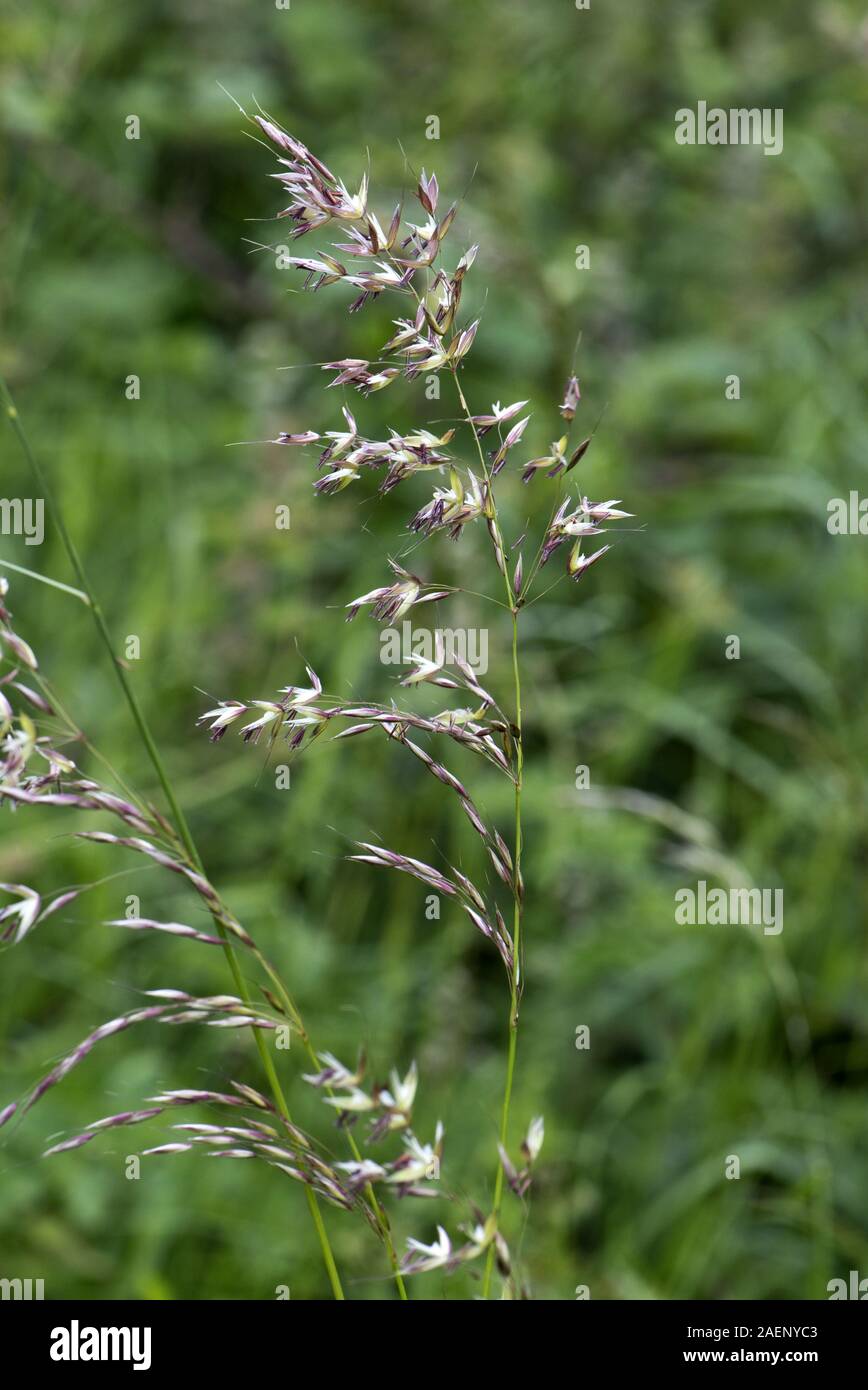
x=157, y=763
x=374, y=261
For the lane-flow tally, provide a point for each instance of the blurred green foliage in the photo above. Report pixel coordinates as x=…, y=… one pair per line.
x=120, y=257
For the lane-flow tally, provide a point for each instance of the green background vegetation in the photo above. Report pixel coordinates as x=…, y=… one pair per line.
x=124, y=257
